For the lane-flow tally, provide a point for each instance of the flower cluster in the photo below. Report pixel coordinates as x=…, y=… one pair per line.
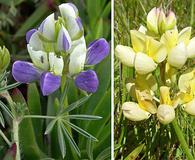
x=58, y=48
x=159, y=54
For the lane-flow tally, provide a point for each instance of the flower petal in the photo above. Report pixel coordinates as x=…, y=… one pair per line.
x=133, y=112
x=29, y=34
x=39, y=58
x=190, y=107
x=87, y=81
x=68, y=9
x=125, y=54
x=47, y=27
x=144, y=64
x=64, y=40
x=49, y=83
x=56, y=64
x=178, y=56
x=165, y=113
x=138, y=40
x=191, y=48
x=184, y=35
x=25, y=72
x=75, y=28
x=152, y=20
x=77, y=59
x=97, y=51
x=35, y=42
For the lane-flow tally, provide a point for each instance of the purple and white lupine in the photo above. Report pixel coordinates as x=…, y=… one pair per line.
x=51, y=43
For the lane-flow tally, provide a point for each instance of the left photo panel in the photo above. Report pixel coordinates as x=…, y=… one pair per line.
x=55, y=79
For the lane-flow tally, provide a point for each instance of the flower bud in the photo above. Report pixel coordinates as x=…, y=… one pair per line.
x=152, y=20
x=25, y=72
x=75, y=28
x=68, y=10
x=97, y=51
x=56, y=64
x=133, y=112
x=4, y=59
x=125, y=54
x=77, y=59
x=64, y=40
x=49, y=83
x=39, y=58
x=161, y=21
x=47, y=27
x=190, y=107
x=138, y=40
x=178, y=56
x=170, y=21
x=144, y=64
x=165, y=114
x=87, y=81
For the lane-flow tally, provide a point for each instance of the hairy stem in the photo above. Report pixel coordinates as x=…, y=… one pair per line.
x=182, y=140
x=16, y=137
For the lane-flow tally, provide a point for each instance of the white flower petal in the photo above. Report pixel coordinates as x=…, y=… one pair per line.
x=133, y=112
x=56, y=64
x=77, y=59
x=125, y=54
x=165, y=113
x=144, y=64
x=39, y=58
x=184, y=35
x=191, y=48
x=190, y=107
x=68, y=9
x=178, y=56
x=35, y=42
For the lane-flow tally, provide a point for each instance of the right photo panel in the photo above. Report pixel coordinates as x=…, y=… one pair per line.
x=154, y=80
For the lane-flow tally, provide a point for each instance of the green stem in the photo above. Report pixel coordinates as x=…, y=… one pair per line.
x=16, y=137
x=182, y=140
x=5, y=138
x=39, y=116
x=15, y=123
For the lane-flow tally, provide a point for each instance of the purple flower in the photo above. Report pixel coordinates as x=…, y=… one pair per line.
x=49, y=83
x=29, y=34
x=97, y=51
x=87, y=81
x=25, y=72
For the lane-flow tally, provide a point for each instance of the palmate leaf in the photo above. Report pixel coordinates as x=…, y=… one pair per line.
x=105, y=154
x=6, y=109
x=61, y=140
x=11, y=86
x=4, y=76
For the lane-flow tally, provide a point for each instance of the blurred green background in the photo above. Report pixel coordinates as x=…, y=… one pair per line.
x=147, y=140
x=17, y=17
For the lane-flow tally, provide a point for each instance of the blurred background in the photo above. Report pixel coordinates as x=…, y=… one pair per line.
x=16, y=18
x=146, y=140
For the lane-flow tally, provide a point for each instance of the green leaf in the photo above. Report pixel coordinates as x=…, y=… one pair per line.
x=11, y=86
x=99, y=29
x=50, y=126
x=76, y=104
x=34, y=105
x=71, y=140
x=61, y=140
x=79, y=130
x=2, y=120
x=6, y=109
x=135, y=153
x=105, y=154
x=83, y=117
x=89, y=149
